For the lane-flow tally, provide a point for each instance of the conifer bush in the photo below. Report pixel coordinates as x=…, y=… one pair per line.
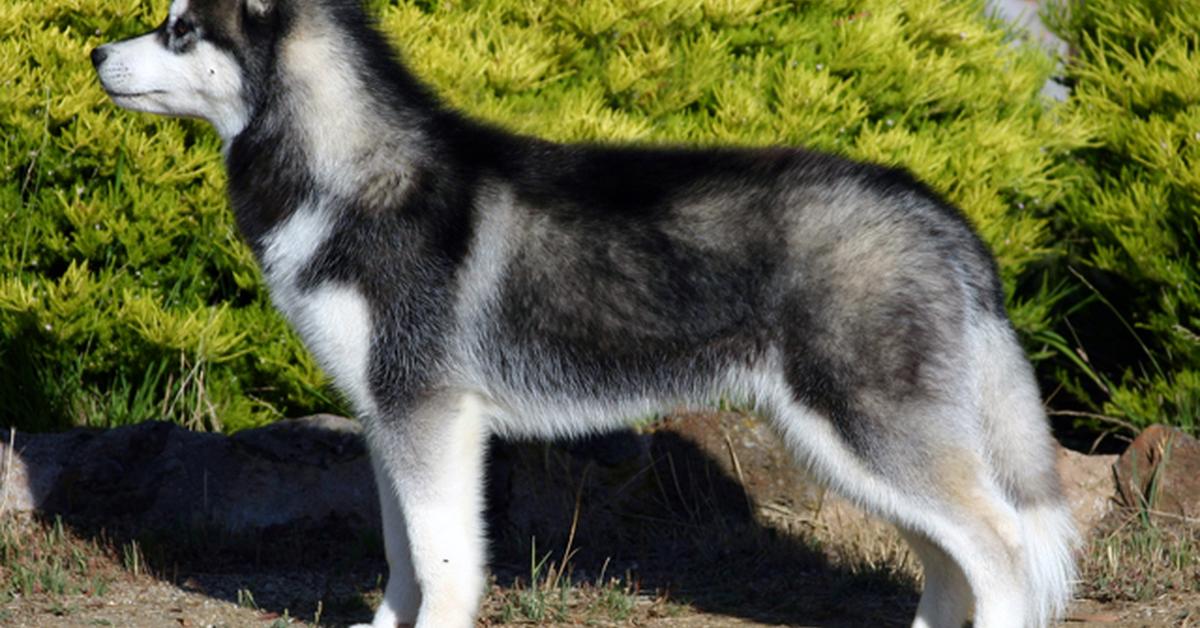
x=1132, y=228
x=126, y=295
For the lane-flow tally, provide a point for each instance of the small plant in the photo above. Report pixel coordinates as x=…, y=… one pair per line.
x=1140, y=559
x=317, y=613
x=245, y=599
x=133, y=560
x=614, y=600
x=552, y=595
x=37, y=558
x=546, y=596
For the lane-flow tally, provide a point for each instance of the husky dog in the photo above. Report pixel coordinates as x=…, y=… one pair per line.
x=458, y=281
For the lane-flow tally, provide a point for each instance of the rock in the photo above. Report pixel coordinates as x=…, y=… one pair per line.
x=695, y=465
x=30, y=466
x=1088, y=483
x=683, y=470
x=158, y=475
x=699, y=467
x=1160, y=471
x=747, y=450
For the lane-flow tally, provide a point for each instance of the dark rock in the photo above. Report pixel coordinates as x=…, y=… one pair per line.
x=1160, y=472
x=158, y=475
x=694, y=467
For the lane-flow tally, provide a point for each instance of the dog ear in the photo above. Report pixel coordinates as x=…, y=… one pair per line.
x=260, y=8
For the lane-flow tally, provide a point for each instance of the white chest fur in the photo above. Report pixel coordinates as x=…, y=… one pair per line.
x=333, y=319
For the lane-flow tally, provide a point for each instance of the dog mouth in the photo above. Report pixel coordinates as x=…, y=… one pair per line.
x=116, y=94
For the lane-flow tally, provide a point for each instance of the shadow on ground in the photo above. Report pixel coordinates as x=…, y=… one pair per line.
x=679, y=524
x=659, y=514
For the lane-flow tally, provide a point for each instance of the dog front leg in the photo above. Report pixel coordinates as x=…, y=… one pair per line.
x=433, y=458
x=401, y=597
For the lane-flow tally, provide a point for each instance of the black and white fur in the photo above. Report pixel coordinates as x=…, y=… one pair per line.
x=458, y=281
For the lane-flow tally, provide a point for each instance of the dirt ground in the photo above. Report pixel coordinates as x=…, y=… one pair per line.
x=841, y=569
x=689, y=546
x=149, y=604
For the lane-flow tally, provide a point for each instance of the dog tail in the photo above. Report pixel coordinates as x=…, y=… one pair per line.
x=1023, y=457
x=1051, y=542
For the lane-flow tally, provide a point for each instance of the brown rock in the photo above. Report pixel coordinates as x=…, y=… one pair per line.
x=1160, y=472
x=718, y=470
x=1088, y=484
x=747, y=450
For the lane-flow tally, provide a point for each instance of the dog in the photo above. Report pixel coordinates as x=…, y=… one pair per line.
x=458, y=281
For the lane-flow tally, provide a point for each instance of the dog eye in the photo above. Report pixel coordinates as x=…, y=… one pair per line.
x=181, y=28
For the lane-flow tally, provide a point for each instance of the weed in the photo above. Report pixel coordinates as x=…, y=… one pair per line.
x=1141, y=558
x=614, y=600
x=551, y=595
x=132, y=557
x=285, y=620
x=245, y=599
x=37, y=558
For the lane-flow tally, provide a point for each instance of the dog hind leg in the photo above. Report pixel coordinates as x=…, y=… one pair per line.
x=981, y=538
x=1022, y=456
x=937, y=490
x=946, y=599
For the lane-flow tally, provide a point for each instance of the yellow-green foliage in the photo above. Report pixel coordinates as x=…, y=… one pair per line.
x=1134, y=224
x=126, y=294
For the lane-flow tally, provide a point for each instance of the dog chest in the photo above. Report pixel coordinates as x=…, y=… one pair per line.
x=332, y=318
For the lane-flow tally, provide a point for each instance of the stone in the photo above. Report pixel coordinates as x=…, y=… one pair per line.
x=697, y=469
x=1160, y=472
x=747, y=450
x=158, y=475
x=695, y=466
x=1088, y=484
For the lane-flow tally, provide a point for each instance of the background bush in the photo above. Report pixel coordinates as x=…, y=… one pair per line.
x=126, y=294
x=1131, y=230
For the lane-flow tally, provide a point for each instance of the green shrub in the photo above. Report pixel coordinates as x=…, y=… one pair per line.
x=127, y=295
x=1132, y=229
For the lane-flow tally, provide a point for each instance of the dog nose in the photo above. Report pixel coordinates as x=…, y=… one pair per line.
x=98, y=55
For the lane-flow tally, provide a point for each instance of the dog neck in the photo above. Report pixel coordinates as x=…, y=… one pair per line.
x=355, y=125
x=344, y=125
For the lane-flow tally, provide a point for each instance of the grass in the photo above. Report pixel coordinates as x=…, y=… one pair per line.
x=667, y=534
x=49, y=568
x=551, y=594
x=44, y=559
x=1137, y=558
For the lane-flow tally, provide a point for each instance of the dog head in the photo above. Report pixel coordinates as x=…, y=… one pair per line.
x=200, y=62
